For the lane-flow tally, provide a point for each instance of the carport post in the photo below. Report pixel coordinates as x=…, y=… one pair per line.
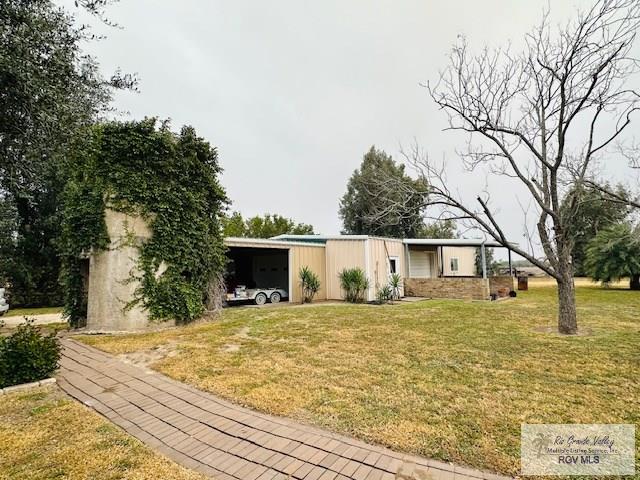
x=484, y=261
x=289, y=274
x=510, y=264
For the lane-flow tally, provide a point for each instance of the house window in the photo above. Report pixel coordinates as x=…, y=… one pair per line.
x=393, y=265
x=454, y=264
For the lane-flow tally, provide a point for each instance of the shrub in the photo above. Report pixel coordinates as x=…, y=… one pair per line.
x=27, y=356
x=310, y=284
x=385, y=294
x=355, y=283
x=395, y=283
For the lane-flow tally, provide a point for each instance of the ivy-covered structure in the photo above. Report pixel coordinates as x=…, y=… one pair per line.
x=141, y=240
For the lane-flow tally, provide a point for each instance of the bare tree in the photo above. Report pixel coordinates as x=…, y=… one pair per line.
x=542, y=117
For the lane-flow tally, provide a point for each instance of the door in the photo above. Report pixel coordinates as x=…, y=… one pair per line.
x=420, y=264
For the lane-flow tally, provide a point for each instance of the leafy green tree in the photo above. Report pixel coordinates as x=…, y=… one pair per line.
x=29, y=260
x=263, y=226
x=614, y=253
x=373, y=191
x=8, y=227
x=234, y=226
x=439, y=229
x=593, y=211
x=49, y=91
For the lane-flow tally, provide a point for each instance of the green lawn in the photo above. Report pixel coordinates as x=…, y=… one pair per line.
x=451, y=380
x=46, y=435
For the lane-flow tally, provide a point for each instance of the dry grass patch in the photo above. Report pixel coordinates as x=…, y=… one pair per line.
x=451, y=380
x=46, y=435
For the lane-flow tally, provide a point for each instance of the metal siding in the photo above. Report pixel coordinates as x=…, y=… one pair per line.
x=311, y=255
x=379, y=267
x=314, y=258
x=341, y=254
x=466, y=261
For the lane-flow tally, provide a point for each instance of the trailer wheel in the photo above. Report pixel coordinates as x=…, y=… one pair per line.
x=260, y=299
x=275, y=297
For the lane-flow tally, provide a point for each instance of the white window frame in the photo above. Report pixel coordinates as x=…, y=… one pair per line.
x=396, y=260
x=457, y=261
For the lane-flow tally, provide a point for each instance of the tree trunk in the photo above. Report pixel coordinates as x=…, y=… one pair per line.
x=634, y=282
x=567, y=320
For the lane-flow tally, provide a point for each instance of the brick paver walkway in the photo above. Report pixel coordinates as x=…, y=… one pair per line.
x=225, y=441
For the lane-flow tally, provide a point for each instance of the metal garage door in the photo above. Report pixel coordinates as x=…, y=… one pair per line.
x=419, y=264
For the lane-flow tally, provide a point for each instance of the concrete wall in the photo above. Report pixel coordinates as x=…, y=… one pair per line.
x=501, y=286
x=473, y=288
x=341, y=254
x=109, y=272
x=314, y=258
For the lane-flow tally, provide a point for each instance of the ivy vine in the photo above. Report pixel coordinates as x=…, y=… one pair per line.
x=171, y=181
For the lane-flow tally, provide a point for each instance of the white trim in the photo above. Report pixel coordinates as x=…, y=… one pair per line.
x=396, y=259
x=293, y=237
x=457, y=269
x=267, y=242
x=453, y=242
x=289, y=264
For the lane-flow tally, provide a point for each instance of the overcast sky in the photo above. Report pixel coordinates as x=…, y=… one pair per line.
x=293, y=93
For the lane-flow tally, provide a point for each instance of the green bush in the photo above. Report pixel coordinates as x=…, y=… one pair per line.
x=310, y=284
x=395, y=283
x=354, y=283
x=385, y=294
x=27, y=356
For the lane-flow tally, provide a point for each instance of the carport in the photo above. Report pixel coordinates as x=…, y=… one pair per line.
x=269, y=263
x=257, y=268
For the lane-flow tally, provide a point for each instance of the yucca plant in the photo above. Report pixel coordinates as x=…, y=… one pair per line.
x=354, y=283
x=310, y=284
x=395, y=283
x=385, y=294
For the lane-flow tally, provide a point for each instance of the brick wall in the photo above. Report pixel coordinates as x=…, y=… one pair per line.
x=501, y=286
x=449, y=287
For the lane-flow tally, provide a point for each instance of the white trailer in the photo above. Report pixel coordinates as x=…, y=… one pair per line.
x=258, y=295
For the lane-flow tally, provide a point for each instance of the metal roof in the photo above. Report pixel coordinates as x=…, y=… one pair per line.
x=319, y=241
x=318, y=238
x=267, y=242
x=454, y=242
x=440, y=242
